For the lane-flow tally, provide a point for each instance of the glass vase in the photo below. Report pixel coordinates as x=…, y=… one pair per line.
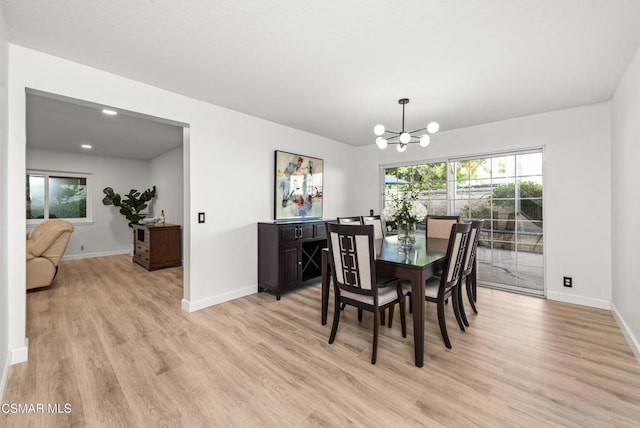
x=406, y=235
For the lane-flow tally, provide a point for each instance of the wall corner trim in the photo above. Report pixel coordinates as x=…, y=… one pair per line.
x=579, y=300
x=97, y=254
x=634, y=344
x=20, y=354
x=196, y=305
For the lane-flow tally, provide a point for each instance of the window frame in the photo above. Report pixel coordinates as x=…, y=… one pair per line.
x=49, y=173
x=451, y=199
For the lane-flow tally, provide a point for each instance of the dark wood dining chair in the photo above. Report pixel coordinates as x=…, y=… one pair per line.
x=350, y=220
x=376, y=222
x=378, y=233
x=353, y=269
x=468, y=277
x=447, y=285
x=439, y=226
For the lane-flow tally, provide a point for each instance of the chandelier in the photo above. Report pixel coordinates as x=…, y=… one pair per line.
x=404, y=138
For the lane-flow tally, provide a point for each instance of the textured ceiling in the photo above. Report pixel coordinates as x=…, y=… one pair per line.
x=336, y=68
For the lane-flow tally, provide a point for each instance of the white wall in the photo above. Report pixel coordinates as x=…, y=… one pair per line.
x=4, y=250
x=625, y=152
x=229, y=175
x=577, y=172
x=165, y=172
x=108, y=233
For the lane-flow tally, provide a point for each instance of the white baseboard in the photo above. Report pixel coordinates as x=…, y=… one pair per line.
x=3, y=376
x=21, y=354
x=579, y=300
x=97, y=254
x=626, y=331
x=192, y=306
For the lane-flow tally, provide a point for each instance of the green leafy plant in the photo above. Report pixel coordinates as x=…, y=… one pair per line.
x=132, y=203
x=528, y=189
x=476, y=211
x=530, y=194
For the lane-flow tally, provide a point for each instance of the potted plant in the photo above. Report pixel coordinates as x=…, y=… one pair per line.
x=132, y=204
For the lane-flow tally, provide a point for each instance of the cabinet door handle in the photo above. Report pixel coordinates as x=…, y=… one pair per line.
x=300, y=232
x=297, y=233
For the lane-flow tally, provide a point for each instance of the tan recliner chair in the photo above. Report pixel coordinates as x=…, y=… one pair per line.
x=46, y=245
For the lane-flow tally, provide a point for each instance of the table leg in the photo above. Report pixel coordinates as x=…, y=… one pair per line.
x=325, y=286
x=417, y=300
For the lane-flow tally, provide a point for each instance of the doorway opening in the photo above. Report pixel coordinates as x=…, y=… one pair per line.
x=76, y=149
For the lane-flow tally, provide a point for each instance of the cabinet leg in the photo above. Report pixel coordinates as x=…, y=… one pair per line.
x=277, y=296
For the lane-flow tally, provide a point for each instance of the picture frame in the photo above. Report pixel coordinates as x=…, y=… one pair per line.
x=298, y=192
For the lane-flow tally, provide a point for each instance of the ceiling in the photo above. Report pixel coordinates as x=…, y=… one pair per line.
x=64, y=124
x=336, y=68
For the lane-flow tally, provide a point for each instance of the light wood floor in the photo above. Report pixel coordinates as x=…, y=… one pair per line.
x=111, y=339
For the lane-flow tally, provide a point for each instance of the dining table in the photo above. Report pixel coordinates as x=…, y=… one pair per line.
x=415, y=265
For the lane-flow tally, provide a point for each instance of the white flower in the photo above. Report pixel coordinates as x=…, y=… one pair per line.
x=390, y=211
x=418, y=210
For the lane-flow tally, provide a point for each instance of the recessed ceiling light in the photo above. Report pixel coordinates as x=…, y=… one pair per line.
x=109, y=112
x=86, y=146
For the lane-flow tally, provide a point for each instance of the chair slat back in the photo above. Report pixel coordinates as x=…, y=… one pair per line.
x=456, y=250
x=349, y=220
x=376, y=222
x=439, y=226
x=472, y=246
x=352, y=257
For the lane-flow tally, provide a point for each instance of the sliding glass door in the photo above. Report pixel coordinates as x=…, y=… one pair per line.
x=505, y=190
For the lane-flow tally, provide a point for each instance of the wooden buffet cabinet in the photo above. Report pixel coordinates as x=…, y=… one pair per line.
x=289, y=254
x=156, y=247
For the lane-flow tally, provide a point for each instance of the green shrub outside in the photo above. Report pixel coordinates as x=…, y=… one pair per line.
x=74, y=209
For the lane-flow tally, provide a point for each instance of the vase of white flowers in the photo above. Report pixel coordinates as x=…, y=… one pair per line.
x=407, y=212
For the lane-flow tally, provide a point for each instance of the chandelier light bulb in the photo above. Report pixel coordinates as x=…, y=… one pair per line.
x=405, y=137
x=401, y=147
x=424, y=140
x=433, y=127
x=381, y=143
x=378, y=129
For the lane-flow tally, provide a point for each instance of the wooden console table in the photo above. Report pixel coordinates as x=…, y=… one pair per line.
x=156, y=247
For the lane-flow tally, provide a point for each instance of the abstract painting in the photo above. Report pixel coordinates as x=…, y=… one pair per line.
x=298, y=187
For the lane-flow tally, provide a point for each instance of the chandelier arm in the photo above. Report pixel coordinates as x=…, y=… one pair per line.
x=394, y=137
x=418, y=130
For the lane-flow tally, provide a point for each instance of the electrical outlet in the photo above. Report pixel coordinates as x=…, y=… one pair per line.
x=370, y=212
x=568, y=281
x=200, y=217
